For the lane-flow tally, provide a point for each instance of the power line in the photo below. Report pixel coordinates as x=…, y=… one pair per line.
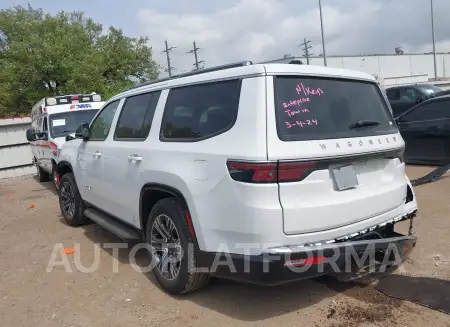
x=306, y=47
x=169, y=68
x=194, y=51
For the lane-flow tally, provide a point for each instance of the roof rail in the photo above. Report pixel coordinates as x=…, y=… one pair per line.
x=195, y=72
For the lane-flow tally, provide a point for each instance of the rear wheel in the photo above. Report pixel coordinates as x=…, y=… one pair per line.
x=43, y=176
x=70, y=201
x=168, y=236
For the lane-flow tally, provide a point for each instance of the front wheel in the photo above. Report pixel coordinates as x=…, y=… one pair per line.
x=168, y=236
x=43, y=176
x=55, y=178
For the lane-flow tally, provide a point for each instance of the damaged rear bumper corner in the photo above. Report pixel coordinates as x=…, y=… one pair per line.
x=381, y=249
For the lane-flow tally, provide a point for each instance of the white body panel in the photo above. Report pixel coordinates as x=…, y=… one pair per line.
x=238, y=217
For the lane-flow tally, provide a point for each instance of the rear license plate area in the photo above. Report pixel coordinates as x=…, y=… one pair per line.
x=344, y=177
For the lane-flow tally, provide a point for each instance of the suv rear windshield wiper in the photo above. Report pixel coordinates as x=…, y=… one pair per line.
x=364, y=123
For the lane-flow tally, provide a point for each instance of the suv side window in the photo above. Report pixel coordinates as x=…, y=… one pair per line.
x=100, y=127
x=393, y=94
x=197, y=112
x=409, y=94
x=136, y=117
x=429, y=111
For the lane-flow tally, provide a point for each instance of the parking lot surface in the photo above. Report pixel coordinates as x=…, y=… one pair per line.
x=117, y=293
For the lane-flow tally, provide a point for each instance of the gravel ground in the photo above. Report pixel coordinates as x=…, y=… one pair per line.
x=31, y=226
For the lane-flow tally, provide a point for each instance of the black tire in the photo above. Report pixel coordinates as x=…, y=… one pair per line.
x=187, y=280
x=43, y=176
x=54, y=178
x=68, y=191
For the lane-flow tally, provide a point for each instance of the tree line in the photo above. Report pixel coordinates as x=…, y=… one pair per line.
x=67, y=53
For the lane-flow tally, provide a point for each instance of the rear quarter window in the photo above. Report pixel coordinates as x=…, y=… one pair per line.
x=197, y=112
x=313, y=108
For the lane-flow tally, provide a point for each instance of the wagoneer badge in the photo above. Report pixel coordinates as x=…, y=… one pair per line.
x=371, y=142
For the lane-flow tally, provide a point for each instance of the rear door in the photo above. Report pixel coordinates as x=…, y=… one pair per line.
x=125, y=156
x=337, y=149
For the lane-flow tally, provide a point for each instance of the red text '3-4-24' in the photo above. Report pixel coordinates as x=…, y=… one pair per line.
x=301, y=123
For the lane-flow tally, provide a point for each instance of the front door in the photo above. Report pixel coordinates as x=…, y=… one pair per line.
x=91, y=157
x=90, y=170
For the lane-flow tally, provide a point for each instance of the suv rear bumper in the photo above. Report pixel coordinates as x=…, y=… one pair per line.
x=278, y=265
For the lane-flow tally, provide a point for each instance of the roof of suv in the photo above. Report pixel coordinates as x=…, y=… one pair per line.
x=249, y=70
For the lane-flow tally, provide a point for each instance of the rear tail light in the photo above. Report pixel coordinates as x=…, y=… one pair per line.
x=253, y=172
x=400, y=155
x=270, y=172
x=294, y=171
x=54, y=148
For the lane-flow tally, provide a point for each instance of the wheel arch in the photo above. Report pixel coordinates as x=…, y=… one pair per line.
x=64, y=167
x=161, y=191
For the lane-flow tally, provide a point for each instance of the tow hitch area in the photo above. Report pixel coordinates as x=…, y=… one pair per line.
x=377, y=251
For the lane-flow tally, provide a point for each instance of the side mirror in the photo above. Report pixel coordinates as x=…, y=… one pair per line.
x=420, y=99
x=69, y=138
x=30, y=135
x=82, y=132
x=44, y=136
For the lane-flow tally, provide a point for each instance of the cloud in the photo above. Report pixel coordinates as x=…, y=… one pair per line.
x=260, y=30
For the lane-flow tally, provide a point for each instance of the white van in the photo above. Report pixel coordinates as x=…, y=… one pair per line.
x=54, y=118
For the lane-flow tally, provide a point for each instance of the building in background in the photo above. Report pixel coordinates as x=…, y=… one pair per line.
x=393, y=69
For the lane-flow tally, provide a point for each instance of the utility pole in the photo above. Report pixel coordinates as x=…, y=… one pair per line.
x=194, y=51
x=323, y=38
x=305, y=45
x=434, y=41
x=169, y=68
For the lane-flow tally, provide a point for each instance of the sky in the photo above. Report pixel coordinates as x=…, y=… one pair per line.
x=259, y=30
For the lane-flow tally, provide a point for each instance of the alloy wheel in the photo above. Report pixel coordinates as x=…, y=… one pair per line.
x=166, y=247
x=67, y=199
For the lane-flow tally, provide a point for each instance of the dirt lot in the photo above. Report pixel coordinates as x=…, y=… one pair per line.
x=31, y=225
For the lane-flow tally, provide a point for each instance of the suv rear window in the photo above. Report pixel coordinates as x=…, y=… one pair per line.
x=312, y=108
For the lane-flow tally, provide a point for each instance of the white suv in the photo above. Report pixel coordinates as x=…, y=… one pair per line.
x=255, y=171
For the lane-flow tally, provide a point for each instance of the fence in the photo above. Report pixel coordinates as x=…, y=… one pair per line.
x=15, y=152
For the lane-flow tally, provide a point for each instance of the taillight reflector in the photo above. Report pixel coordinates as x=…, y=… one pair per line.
x=304, y=262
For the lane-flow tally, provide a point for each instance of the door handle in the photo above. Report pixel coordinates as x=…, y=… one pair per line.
x=97, y=154
x=135, y=158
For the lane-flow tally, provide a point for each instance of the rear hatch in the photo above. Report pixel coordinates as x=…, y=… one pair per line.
x=338, y=152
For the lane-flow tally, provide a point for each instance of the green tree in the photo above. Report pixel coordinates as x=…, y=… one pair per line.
x=43, y=55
